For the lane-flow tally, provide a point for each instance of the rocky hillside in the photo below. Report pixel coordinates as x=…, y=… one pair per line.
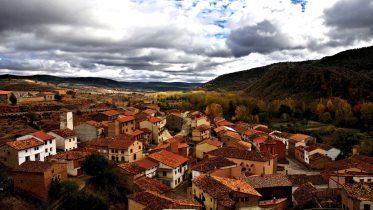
x=348, y=74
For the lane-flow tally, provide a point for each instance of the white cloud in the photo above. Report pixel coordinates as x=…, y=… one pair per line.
x=162, y=40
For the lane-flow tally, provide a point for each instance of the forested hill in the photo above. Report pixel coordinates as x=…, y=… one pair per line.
x=106, y=83
x=348, y=74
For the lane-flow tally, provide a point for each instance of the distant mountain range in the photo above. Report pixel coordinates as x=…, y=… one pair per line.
x=348, y=74
x=106, y=83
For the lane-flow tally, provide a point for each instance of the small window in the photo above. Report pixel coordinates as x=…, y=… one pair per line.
x=46, y=150
x=51, y=149
x=164, y=173
x=50, y=141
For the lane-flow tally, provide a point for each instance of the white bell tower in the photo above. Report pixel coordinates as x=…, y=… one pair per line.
x=66, y=120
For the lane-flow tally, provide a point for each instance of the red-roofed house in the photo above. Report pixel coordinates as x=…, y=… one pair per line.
x=228, y=137
x=122, y=125
x=172, y=170
x=49, y=141
x=128, y=150
x=4, y=96
x=66, y=139
x=156, y=126
x=198, y=120
x=14, y=153
x=109, y=115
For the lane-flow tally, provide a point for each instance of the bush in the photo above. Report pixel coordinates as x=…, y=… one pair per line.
x=13, y=99
x=95, y=165
x=83, y=200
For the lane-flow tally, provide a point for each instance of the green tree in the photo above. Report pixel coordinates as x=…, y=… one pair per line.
x=241, y=113
x=367, y=113
x=325, y=117
x=216, y=110
x=58, y=97
x=84, y=200
x=13, y=99
x=69, y=187
x=344, y=140
x=95, y=164
x=55, y=188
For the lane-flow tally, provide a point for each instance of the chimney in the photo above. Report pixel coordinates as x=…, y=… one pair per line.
x=356, y=150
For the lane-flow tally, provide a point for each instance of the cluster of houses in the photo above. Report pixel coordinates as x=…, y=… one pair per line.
x=29, y=96
x=220, y=164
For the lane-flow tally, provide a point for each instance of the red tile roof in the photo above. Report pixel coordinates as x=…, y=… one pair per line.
x=130, y=169
x=168, y=158
x=137, y=132
x=230, y=134
x=110, y=113
x=154, y=201
x=360, y=191
x=268, y=180
x=240, y=144
x=145, y=183
x=70, y=155
x=149, y=111
x=98, y=124
x=251, y=132
x=219, y=129
x=264, y=130
x=33, y=167
x=104, y=142
x=212, y=164
x=154, y=120
x=3, y=92
x=126, y=118
x=24, y=144
x=212, y=141
x=260, y=139
x=121, y=144
x=221, y=188
x=65, y=133
x=231, y=152
x=43, y=136
x=182, y=145
x=299, y=137
x=146, y=163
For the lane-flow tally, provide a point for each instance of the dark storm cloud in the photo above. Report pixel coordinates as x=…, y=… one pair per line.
x=350, y=21
x=263, y=37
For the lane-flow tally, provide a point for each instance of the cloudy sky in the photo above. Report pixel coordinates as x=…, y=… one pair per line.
x=174, y=40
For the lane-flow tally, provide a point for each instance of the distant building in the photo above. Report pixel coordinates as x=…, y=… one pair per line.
x=91, y=129
x=174, y=121
x=109, y=115
x=4, y=97
x=72, y=159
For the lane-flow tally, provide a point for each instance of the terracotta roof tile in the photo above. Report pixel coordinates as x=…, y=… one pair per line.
x=213, y=163
x=146, y=183
x=212, y=141
x=43, y=136
x=24, y=144
x=146, y=163
x=70, y=155
x=299, y=137
x=268, y=180
x=303, y=194
x=220, y=188
x=231, y=152
x=260, y=139
x=230, y=134
x=65, y=133
x=154, y=119
x=360, y=191
x=240, y=144
x=110, y=113
x=121, y=144
x=299, y=179
x=3, y=92
x=33, y=167
x=137, y=132
x=264, y=129
x=126, y=118
x=98, y=124
x=130, y=168
x=168, y=158
x=155, y=201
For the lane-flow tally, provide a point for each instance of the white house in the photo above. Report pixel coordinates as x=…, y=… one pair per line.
x=149, y=166
x=66, y=139
x=15, y=153
x=172, y=169
x=49, y=141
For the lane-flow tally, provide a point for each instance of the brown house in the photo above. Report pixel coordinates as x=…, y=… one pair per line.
x=35, y=177
x=251, y=162
x=72, y=159
x=274, y=147
x=109, y=115
x=357, y=196
x=272, y=186
x=223, y=193
x=174, y=121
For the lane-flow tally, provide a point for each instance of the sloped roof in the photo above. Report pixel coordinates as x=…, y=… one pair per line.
x=146, y=183
x=70, y=155
x=168, y=158
x=42, y=135
x=33, y=167
x=145, y=163
x=360, y=191
x=24, y=144
x=65, y=133
x=268, y=180
x=121, y=144
x=213, y=163
x=110, y=113
x=212, y=141
x=126, y=118
x=231, y=152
